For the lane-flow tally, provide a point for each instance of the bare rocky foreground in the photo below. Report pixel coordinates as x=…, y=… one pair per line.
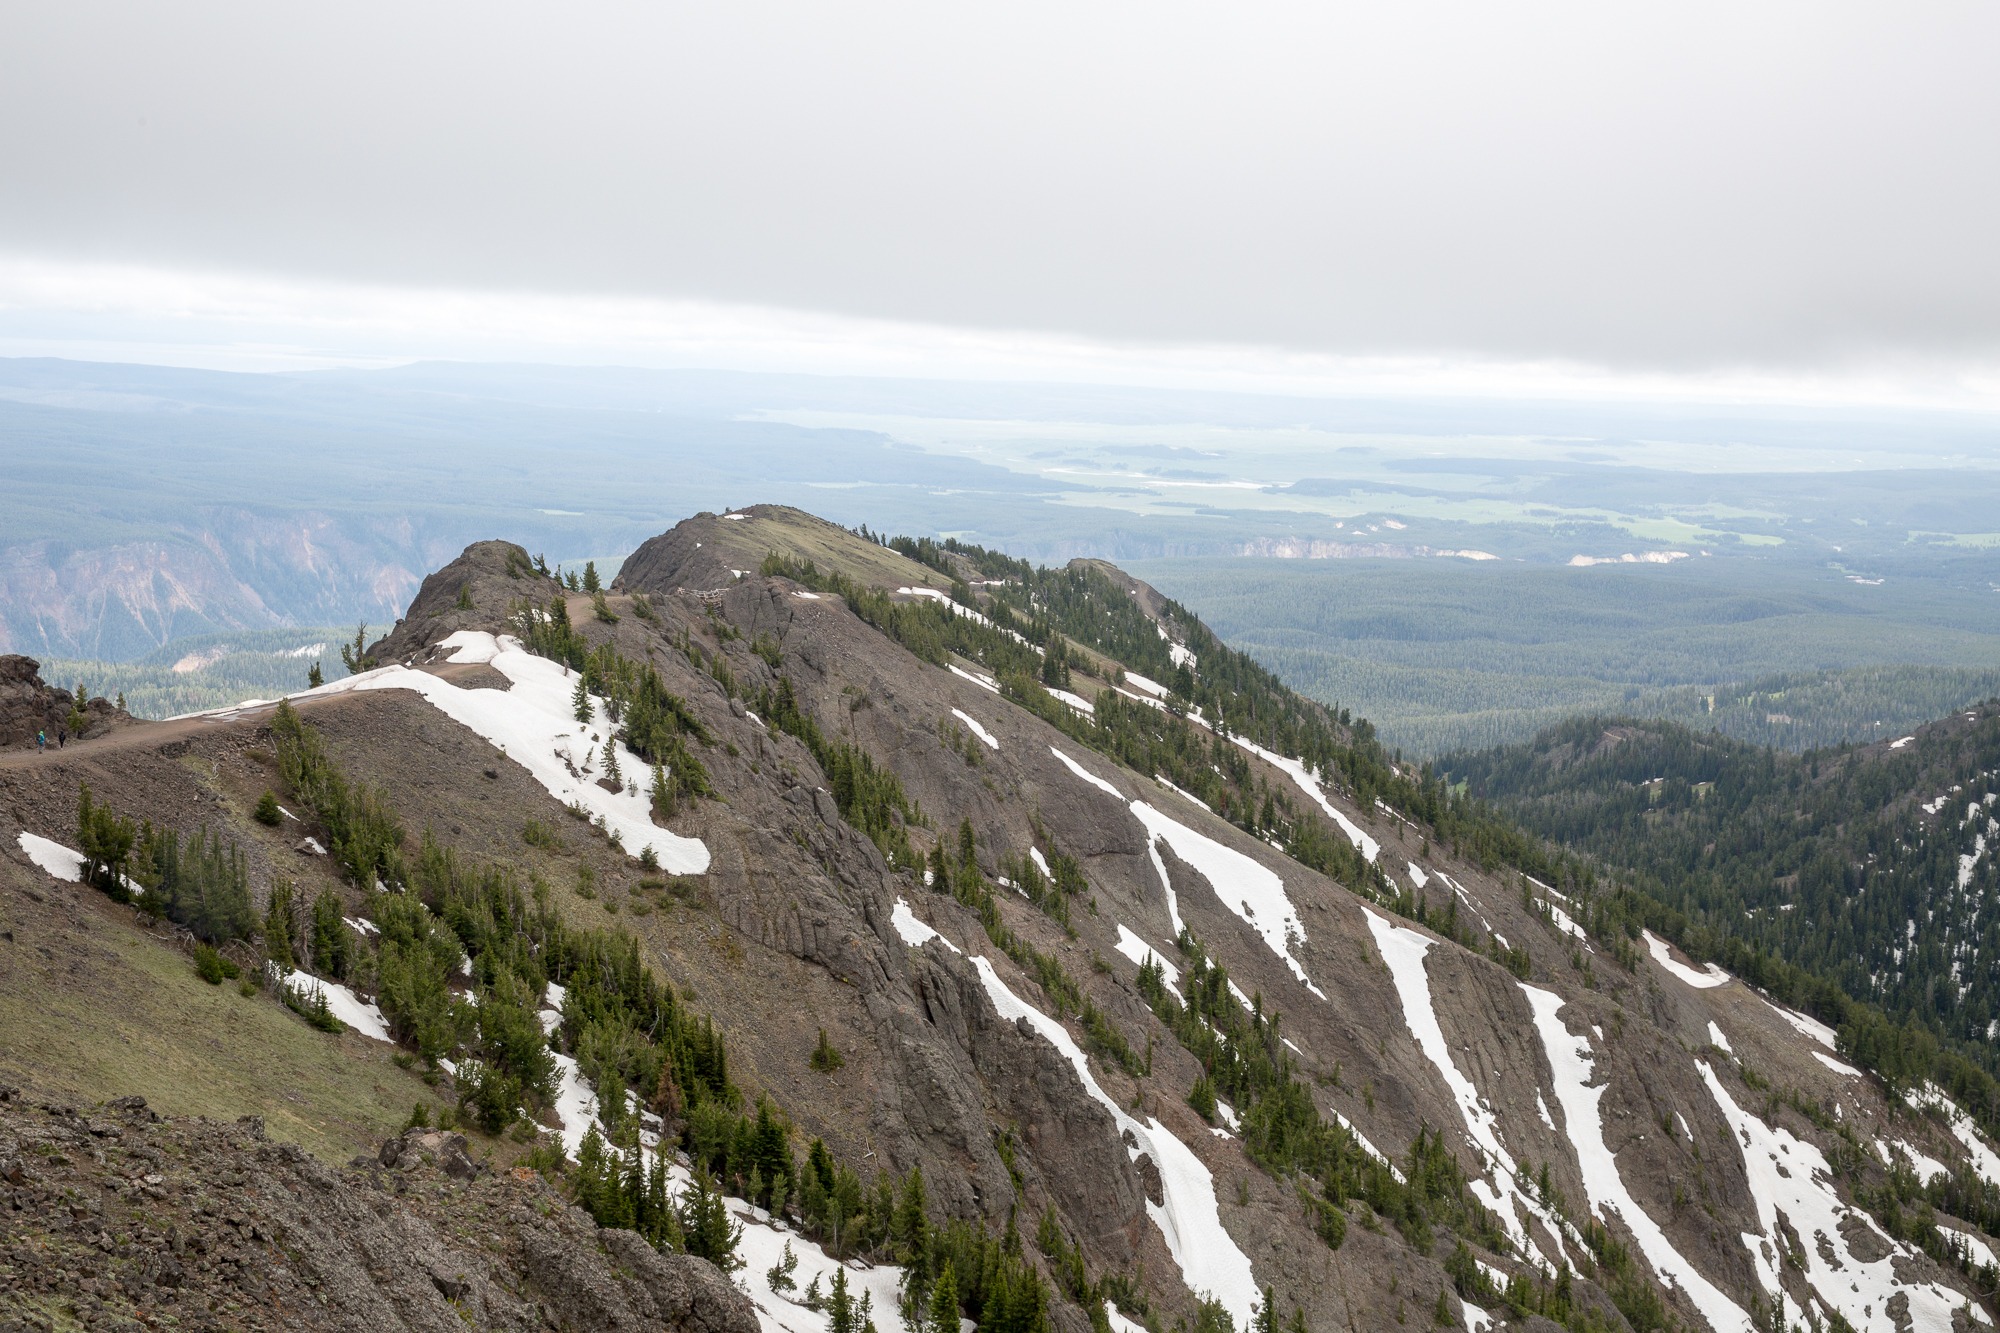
x=112, y=1217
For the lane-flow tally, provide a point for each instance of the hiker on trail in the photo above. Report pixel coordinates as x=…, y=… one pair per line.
x=41, y=741
x=62, y=737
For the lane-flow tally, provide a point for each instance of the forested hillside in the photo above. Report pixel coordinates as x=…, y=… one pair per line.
x=1869, y=867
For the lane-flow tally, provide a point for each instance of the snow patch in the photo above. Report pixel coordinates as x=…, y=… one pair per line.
x=1715, y=1035
x=1900, y=742
x=1835, y=1065
x=1088, y=776
x=1307, y=783
x=972, y=725
x=915, y=933
x=1705, y=980
x=1790, y=1176
x=1209, y=1258
x=1573, y=1067
x=1079, y=703
x=342, y=1003
x=1811, y=1027
x=1403, y=950
x=533, y=725
x=1248, y=888
x=1142, y=953
x=983, y=682
x=1984, y=1161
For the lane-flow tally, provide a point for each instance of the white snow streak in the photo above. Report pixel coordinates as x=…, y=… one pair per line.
x=1404, y=950
x=1573, y=1067
x=972, y=725
x=983, y=682
x=1076, y=701
x=1248, y=888
x=341, y=1002
x=533, y=725
x=1713, y=977
x=1209, y=1258
x=1087, y=776
x=1308, y=784
x=916, y=933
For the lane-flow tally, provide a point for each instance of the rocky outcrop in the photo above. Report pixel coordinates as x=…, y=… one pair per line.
x=27, y=706
x=116, y=1215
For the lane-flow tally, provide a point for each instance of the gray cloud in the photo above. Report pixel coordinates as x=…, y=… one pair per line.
x=1681, y=186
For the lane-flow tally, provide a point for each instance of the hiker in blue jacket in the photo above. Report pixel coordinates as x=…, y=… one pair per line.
x=41, y=742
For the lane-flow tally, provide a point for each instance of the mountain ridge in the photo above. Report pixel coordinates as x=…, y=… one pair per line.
x=879, y=811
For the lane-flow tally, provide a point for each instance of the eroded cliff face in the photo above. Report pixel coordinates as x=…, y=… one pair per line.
x=1717, y=1140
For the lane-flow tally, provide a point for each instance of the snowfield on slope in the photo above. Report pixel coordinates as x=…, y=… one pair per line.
x=1142, y=953
x=1247, y=888
x=1210, y=1260
x=533, y=725
x=1573, y=1067
x=1404, y=951
x=1790, y=1176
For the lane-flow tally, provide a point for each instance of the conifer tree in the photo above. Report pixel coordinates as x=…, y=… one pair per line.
x=579, y=701
x=1202, y=1099
x=663, y=795
x=840, y=1311
x=944, y=1302
x=315, y=677
x=267, y=811
x=1266, y=1318
x=355, y=655
x=278, y=925
x=968, y=851
x=330, y=948
x=705, y=1224
x=591, y=583
x=611, y=762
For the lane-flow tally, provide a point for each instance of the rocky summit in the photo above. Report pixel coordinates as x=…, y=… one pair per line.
x=804, y=929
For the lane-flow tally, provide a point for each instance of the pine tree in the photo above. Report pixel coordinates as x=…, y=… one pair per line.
x=591, y=583
x=278, y=925
x=579, y=702
x=705, y=1223
x=663, y=795
x=826, y=1057
x=330, y=948
x=267, y=811
x=968, y=851
x=611, y=772
x=944, y=1302
x=355, y=655
x=779, y=1276
x=1202, y=1099
x=1266, y=1318
x=315, y=677
x=840, y=1306
x=940, y=872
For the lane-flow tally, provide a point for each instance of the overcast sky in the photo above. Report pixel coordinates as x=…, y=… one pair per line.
x=1702, y=191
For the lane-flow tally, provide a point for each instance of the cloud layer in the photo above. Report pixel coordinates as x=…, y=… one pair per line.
x=1675, y=188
